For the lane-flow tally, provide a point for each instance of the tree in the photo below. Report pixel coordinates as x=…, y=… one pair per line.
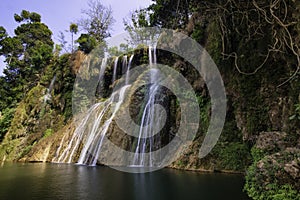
x=86, y=43
x=73, y=30
x=26, y=54
x=27, y=16
x=62, y=41
x=137, y=25
x=98, y=21
x=170, y=13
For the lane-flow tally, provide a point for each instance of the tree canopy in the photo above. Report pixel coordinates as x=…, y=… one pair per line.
x=26, y=54
x=98, y=20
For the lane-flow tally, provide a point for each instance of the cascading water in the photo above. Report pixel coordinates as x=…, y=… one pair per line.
x=115, y=69
x=67, y=154
x=85, y=145
x=101, y=75
x=124, y=64
x=92, y=138
x=95, y=138
x=47, y=96
x=128, y=69
x=150, y=118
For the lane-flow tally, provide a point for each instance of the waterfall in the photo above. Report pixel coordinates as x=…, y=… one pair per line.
x=115, y=69
x=58, y=150
x=88, y=139
x=77, y=137
x=95, y=137
x=47, y=96
x=150, y=118
x=124, y=64
x=102, y=68
x=101, y=75
x=92, y=138
x=128, y=69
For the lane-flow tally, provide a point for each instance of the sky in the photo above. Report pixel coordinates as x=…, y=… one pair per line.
x=58, y=14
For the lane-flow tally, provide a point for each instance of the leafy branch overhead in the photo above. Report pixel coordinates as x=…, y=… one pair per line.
x=253, y=33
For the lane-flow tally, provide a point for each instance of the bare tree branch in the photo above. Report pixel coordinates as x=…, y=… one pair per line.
x=98, y=21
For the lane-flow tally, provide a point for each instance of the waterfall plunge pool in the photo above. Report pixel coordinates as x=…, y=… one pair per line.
x=68, y=181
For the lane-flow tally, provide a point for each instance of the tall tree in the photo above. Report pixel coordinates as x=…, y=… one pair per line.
x=73, y=30
x=98, y=21
x=170, y=13
x=26, y=54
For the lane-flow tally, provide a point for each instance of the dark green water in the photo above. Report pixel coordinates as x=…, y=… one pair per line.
x=63, y=181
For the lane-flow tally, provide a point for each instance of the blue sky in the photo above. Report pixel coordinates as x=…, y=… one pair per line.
x=58, y=14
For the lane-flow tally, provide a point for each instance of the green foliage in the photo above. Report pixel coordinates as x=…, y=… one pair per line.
x=169, y=14
x=114, y=51
x=198, y=33
x=264, y=183
x=26, y=54
x=73, y=29
x=235, y=156
x=214, y=44
x=27, y=16
x=3, y=34
x=86, y=43
x=5, y=121
x=285, y=192
x=257, y=154
x=135, y=26
x=273, y=192
x=48, y=132
x=25, y=151
x=297, y=113
x=122, y=49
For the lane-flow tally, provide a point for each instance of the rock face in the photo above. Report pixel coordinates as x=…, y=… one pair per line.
x=258, y=116
x=277, y=166
x=244, y=125
x=272, y=141
x=32, y=119
x=44, y=110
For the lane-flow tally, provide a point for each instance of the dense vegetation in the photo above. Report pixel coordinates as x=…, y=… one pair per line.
x=255, y=44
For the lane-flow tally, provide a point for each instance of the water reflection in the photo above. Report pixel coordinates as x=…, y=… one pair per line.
x=65, y=181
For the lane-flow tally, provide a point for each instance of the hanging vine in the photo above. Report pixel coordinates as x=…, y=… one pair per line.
x=256, y=20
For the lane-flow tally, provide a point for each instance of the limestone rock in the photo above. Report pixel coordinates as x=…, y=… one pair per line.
x=272, y=141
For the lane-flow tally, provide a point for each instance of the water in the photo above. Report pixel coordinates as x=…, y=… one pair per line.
x=47, y=96
x=150, y=118
x=67, y=181
x=93, y=137
x=124, y=64
x=128, y=69
x=101, y=75
x=115, y=69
